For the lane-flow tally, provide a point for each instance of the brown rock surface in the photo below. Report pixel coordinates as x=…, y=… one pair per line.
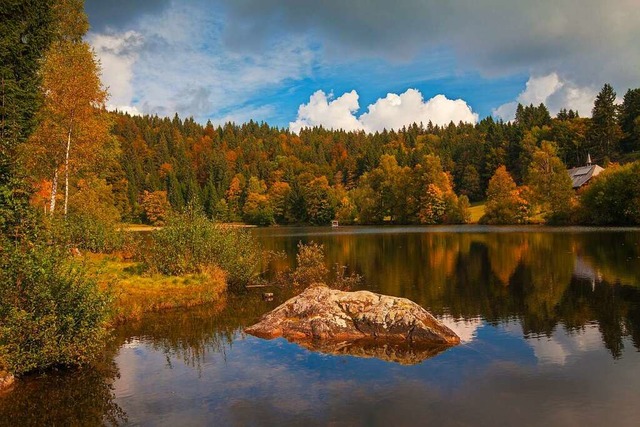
x=322, y=315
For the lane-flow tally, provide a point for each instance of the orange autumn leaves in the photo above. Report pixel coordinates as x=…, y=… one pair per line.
x=73, y=125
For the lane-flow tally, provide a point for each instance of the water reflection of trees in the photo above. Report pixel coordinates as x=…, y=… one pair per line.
x=82, y=397
x=573, y=277
x=86, y=397
x=189, y=335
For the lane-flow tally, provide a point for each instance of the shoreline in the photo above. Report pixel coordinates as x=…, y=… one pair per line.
x=148, y=228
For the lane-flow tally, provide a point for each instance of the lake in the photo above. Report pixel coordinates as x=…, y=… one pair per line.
x=549, y=320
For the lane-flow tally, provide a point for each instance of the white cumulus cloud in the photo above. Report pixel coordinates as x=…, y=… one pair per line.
x=466, y=329
x=556, y=93
x=118, y=54
x=395, y=111
x=391, y=112
x=333, y=114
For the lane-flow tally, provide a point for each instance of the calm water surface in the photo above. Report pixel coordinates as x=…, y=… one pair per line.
x=549, y=318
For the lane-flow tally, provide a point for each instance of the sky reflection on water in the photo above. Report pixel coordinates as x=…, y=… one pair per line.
x=549, y=321
x=496, y=378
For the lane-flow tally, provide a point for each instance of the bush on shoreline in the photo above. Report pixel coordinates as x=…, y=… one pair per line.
x=311, y=269
x=613, y=198
x=190, y=243
x=92, y=234
x=51, y=313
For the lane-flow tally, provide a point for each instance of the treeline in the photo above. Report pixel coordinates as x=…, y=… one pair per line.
x=419, y=174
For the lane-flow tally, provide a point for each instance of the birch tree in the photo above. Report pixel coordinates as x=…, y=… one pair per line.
x=73, y=118
x=73, y=122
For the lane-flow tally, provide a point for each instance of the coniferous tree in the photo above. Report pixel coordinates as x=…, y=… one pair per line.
x=604, y=131
x=530, y=116
x=630, y=120
x=26, y=28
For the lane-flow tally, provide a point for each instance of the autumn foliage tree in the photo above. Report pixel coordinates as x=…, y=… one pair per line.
x=387, y=177
x=156, y=207
x=51, y=313
x=506, y=203
x=73, y=124
x=550, y=184
x=439, y=203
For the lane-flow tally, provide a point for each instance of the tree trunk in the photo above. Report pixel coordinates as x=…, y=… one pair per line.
x=66, y=174
x=54, y=192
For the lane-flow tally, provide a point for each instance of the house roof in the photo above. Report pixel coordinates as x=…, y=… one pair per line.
x=581, y=175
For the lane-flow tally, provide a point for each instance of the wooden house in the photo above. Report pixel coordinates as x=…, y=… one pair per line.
x=581, y=175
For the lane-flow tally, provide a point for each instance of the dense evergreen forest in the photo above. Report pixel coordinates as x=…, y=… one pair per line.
x=264, y=175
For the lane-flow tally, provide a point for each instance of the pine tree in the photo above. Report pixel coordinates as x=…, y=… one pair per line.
x=26, y=28
x=630, y=120
x=604, y=132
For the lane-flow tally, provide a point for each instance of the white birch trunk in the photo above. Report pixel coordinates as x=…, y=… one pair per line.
x=66, y=173
x=54, y=192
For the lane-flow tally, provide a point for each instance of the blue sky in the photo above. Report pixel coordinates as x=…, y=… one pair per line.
x=361, y=64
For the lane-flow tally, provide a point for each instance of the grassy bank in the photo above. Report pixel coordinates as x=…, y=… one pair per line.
x=135, y=293
x=476, y=210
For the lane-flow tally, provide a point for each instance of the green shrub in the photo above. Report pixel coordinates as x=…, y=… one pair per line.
x=613, y=198
x=50, y=312
x=90, y=233
x=190, y=243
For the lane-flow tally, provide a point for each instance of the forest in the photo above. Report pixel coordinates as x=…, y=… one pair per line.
x=71, y=173
x=422, y=173
x=73, y=157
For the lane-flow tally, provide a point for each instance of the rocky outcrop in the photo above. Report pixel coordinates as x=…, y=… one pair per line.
x=320, y=315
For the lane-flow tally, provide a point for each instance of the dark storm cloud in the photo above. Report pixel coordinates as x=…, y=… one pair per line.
x=586, y=39
x=117, y=14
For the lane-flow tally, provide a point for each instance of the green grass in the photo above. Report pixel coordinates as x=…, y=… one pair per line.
x=135, y=292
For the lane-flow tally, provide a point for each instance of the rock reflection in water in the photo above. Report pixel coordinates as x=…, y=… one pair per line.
x=544, y=277
x=404, y=354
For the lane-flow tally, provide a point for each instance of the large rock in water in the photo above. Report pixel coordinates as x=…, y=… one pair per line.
x=321, y=317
